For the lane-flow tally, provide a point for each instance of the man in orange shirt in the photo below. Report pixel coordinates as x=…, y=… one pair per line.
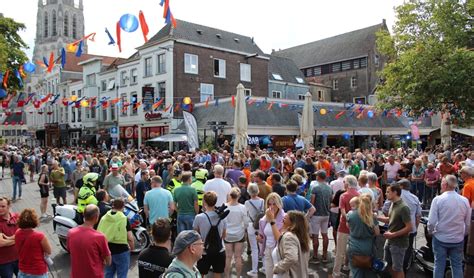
x=467, y=175
x=323, y=164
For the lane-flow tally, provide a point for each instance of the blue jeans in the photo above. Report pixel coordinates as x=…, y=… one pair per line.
x=185, y=222
x=7, y=270
x=120, y=264
x=24, y=275
x=455, y=252
x=418, y=188
x=16, y=181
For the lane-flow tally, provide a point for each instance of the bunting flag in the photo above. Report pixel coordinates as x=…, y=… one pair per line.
x=167, y=15
x=115, y=100
x=171, y=110
x=63, y=57
x=167, y=108
x=111, y=39
x=105, y=104
x=65, y=101
x=136, y=105
x=143, y=25
x=79, y=49
x=270, y=106
x=46, y=98
x=340, y=114
x=157, y=104
x=252, y=101
x=54, y=99
x=22, y=72
x=45, y=62
x=350, y=106
x=51, y=62
x=176, y=107
x=233, y=101
x=281, y=105
x=71, y=48
x=117, y=31
x=216, y=102
x=30, y=97
x=90, y=37
x=18, y=76
x=207, y=102
x=5, y=79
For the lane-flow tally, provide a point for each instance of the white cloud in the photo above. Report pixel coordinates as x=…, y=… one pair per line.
x=274, y=24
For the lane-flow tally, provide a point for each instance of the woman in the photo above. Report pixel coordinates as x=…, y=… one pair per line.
x=363, y=229
x=235, y=235
x=43, y=183
x=292, y=252
x=255, y=207
x=32, y=245
x=274, y=204
x=128, y=185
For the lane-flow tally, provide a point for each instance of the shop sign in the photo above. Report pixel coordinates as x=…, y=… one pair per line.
x=283, y=142
x=153, y=116
x=252, y=140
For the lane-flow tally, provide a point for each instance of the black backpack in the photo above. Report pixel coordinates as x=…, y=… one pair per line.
x=213, y=242
x=259, y=215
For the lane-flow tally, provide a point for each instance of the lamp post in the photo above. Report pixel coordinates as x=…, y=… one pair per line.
x=216, y=126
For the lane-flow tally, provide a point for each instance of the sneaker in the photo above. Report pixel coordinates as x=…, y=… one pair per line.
x=262, y=270
x=252, y=273
x=19, y=198
x=314, y=260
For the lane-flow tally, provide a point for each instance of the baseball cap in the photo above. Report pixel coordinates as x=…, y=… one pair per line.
x=247, y=164
x=114, y=167
x=183, y=240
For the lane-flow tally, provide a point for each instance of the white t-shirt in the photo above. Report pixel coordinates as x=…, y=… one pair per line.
x=221, y=187
x=336, y=185
x=392, y=170
x=267, y=231
x=236, y=224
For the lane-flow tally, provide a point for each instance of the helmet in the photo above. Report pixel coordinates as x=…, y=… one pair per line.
x=201, y=174
x=90, y=178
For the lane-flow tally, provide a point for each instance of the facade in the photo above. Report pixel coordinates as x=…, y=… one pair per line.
x=347, y=63
x=285, y=80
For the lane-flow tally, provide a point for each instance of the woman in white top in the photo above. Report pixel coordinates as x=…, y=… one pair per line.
x=254, y=206
x=235, y=236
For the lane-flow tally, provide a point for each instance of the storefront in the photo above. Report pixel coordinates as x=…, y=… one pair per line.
x=153, y=126
x=52, y=135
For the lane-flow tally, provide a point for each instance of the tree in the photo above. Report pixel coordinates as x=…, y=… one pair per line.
x=430, y=62
x=11, y=48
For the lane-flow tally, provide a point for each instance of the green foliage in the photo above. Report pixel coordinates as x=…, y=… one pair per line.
x=11, y=48
x=430, y=59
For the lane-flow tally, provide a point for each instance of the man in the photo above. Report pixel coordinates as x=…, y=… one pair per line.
x=293, y=201
x=254, y=162
x=198, y=184
x=321, y=199
x=411, y=200
x=65, y=164
x=155, y=259
x=218, y=185
x=323, y=164
x=336, y=185
x=116, y=228
x=18, y=176
x=142, y=187
x=8, y=250
x=186, y=200
x=276, y=185
x=391, y=170
x=87, y=192
x=263, y=188
x=343, y=230
x=448, y=222
x=399, y=227
x=202, y=224
x=188, y=249
x=469, y=160
x=88, y=248
x=467, y=175
x=158, y=201
x=111, y=181
x=142, y=167
x=233, y=174
x=58, y=180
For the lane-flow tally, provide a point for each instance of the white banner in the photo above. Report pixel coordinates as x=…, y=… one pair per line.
x=191, y=130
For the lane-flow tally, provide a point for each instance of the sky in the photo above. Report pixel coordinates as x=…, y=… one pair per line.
x=276, y=24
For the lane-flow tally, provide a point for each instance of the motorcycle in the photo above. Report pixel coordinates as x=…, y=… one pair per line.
x=66, y=217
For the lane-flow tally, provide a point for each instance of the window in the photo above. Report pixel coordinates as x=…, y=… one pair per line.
x=133, y=102
x=335, y=84
x=190, y=63
x=45, y=24
x=356, y=64
x=299, y=80
x=336, y=67
x=103, y=85
x=104, y=115
x=308, y=72
x=363, y=62
x=359, y=100
x=248, y=92
x=112, y=111
x=90, y=79
x=161, y=90
x=133, y=76
x=54, y=30
x=161, y=63
x=346, y=65
x=320, y=95
x=301, y=97
x=66, y=24
x=73, y=110
x=354, y=82
x=74, y=27
x=88, y=113
x=148, y=67
x=276, y=76
x=317, y=71
x=123, y=78
x=245, y=72
x=207, y=91
x=376, y=60
x=111, y=85
x=219, y=68
x=79, y=92
x=123, y=100
x=276, y=94
x=92, y=108
x=79, y=114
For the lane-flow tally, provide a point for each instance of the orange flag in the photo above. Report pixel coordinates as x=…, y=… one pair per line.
x=51, y=62
x=167, y=108
x=157, y=104
x=207, y=102
x=233, y=101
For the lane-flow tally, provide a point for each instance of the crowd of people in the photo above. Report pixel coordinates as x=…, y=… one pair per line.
x=206, y=210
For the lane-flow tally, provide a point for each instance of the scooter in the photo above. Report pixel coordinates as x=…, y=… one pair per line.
x=66, y=218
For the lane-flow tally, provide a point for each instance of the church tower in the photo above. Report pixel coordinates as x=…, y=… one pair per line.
x=58, y=23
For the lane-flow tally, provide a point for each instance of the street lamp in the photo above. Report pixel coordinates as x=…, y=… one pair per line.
x=216, y=126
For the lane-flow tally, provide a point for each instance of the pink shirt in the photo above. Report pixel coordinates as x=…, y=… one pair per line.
x=344, y=204
x=392, y=170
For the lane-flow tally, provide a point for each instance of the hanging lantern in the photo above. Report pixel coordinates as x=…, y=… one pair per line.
x=370, y=114
x=84, y=103
x=73, y=98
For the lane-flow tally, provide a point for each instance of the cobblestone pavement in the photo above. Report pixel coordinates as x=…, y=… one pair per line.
x=61, y=267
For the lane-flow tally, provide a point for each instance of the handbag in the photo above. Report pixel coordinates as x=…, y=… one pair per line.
x=362, y=261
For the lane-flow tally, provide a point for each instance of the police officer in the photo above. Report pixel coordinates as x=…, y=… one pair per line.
x=86, y=194
x=201, y=178
x=175, y=181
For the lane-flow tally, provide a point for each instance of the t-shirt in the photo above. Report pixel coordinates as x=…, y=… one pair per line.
x=58, y=178
x=140, y=190
x=293, y=201
x=221, y=187
x=344, y=204
x=202, y=223
x=8, y=227
x=236, y=223
x=399, y=214
x=30, y=251
x=322, y=201
x=158, y=201
x=153, y=261
x=468, y=190
x=279, y=189
x=111, y=180
x=392, y=170
x=264, y=190
x=116, y=248
x=184, y=197
x=88, y=250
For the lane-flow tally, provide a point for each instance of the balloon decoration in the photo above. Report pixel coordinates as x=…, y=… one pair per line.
x=370, y=114
x=346, y=136
x=187, y=100
x=84, y=103
x=129, y=23
x=29, y=67
x=73, y=98
x=323, y=111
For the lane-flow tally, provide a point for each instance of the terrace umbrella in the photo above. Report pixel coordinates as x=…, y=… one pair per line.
x=307, y=121
x=240, y=120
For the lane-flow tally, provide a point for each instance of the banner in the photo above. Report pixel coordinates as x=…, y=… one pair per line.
x=148, y=98
x=191, y=130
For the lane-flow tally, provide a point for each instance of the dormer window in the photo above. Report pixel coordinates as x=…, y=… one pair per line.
x=236, y=40
x=219, y=36
x=276, y=76
x=199, y=32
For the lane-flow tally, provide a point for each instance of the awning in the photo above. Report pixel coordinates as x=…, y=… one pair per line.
x=427, y=131
x=466, y=131
x=170, y=137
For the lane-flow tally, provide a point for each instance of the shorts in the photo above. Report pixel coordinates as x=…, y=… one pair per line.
x=394, y=256
x=59, y=192
x=44, y=191
x=216, y=261
x=244, y=239
x=334, y=219
x=319, y=223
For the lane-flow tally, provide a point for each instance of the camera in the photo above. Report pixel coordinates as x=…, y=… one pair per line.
x=222, y=212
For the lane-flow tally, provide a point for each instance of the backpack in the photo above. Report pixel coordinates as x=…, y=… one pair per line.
x=259, y=215
x=213, y=242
